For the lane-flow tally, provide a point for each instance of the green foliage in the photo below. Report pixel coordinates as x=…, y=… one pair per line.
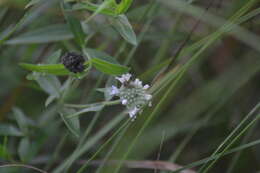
x=200, y=59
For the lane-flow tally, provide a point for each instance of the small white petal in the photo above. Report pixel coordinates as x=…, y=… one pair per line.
x=124, y=78
x=124, y=102
x=133, y=112
x=150, y=104
x=127, y=76
x=146, y=87
x=114, y=90
x=138, y=83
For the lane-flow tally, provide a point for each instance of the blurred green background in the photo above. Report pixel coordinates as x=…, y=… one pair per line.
x=212, y=46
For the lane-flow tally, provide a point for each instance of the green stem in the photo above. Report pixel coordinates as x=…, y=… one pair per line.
x=105, y=103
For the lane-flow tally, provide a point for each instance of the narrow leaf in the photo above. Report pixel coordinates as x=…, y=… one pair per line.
x=55, y=69
x=123, y=6
x=109, y=68
x=9, y=130
x=50, y=84
x=21, y=119
x=31, y=3
x=122, y=25
x=95, y=8
x=46, y=34
x=24, y=149
x=75, y=27
x=72, y=123
x=91, y=108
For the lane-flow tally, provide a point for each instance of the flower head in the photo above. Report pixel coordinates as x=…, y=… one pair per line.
x=132, y=94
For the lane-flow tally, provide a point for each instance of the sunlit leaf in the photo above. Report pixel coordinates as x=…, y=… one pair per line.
x=123, y=6
x=55, y=69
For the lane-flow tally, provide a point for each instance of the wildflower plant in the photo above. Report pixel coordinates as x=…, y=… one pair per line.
x=132, y=94
x=80, y=63
x=66, y=54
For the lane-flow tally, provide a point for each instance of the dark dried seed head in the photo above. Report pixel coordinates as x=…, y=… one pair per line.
x=74, y=62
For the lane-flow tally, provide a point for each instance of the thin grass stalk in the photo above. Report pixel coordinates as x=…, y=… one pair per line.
x=231, y=138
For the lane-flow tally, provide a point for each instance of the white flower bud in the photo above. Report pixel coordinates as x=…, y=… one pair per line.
x=146, y=87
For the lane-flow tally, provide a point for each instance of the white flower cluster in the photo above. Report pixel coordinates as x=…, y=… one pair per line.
x=132, y=94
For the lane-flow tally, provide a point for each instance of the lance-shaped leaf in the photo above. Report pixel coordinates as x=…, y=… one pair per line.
x=72, y=123
x=46, y=34
x=55, y=69
x=75, y=26
x=105, y=63
x=9, y=130
x=107, y=7
x=122, y=25
x=109, y=68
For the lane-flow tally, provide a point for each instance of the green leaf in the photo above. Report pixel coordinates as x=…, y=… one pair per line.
x=31, y=3
x=109, y=68
x=75, y=27
x=123, y=6
x=122, y=25
x=104, y=62
x=55, y=69
x=77, y=30
x=72, y=123
x=10, y=30
x=46, y=34
x=9, y=130
x=24, y=149
x=49, y=83
x=4, y=153
x=49, y=100
x=93, y=53
x=89, y=108
x=104, y=8
x=21, y=119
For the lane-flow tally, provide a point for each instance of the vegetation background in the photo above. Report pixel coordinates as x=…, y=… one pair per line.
x=201, y=58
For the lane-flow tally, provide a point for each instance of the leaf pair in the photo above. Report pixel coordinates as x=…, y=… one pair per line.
x=100, y=60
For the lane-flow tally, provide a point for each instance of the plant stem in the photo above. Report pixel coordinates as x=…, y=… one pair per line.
x=105, y=103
